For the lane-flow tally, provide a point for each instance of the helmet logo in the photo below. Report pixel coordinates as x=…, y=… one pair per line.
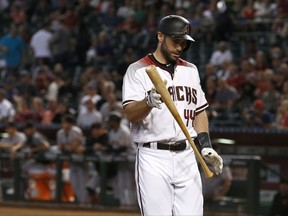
x=185, y=30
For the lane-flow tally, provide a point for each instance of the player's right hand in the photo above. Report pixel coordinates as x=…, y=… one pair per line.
x=154, y=99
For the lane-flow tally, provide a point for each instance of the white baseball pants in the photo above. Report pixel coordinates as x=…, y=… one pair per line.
x=168, y=183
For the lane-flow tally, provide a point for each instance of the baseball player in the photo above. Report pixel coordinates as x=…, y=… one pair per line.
x=167, y=176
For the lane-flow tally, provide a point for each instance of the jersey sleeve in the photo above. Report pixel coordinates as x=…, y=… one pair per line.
x=132, y=89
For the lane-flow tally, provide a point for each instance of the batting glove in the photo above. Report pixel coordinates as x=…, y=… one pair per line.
x=154, y=99
x=212, y=157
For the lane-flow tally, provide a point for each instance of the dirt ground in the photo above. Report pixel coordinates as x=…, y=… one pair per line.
x=16, y=211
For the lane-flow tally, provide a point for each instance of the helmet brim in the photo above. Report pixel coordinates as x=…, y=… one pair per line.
x=185, y=37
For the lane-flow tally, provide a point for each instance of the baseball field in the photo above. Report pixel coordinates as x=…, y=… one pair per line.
x=48, y=211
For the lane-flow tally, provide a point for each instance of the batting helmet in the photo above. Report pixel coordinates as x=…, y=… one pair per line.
x=177, y=27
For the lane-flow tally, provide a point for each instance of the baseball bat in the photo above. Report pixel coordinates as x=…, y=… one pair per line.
x=165, y=96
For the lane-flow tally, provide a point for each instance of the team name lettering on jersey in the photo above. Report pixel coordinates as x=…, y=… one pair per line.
x=183, y=93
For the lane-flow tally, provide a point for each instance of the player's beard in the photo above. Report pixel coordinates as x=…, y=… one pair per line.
x=166, y=53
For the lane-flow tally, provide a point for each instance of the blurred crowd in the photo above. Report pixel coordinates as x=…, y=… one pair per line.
x=62, y=63
x=59, y=57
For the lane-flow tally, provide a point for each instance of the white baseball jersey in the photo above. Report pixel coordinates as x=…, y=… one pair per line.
x=168, y=183
x=186, y=92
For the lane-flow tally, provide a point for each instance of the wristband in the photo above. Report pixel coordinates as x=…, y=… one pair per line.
x=204, y=140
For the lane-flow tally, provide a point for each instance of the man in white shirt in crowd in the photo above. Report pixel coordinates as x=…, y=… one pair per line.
x=90, y=93
x=90, y=115
x=70, y=140
x=41, y=44
x=120, y=141
x=7, y=111
x=221, y=54
x=14, y=139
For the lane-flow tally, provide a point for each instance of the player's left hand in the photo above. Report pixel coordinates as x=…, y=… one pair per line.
x=212, y=157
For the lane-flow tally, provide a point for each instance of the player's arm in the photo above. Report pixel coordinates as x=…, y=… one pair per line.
x=201, y=122
x=138, y=100
x=136, y=111
x=201, y=126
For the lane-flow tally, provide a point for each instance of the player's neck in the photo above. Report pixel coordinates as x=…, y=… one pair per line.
x=159, y=57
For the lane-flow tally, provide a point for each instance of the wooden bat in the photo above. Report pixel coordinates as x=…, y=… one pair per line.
x=165, y=96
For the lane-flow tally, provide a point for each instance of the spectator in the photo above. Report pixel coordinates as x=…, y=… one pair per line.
x=261, y=9
x=90, y=77
x=280, y=200
x=234, y=78
x=61, y=42
x=10, y=88
x=262, y=81
x=70, y=140
x=62, y=110
x=89, y=116
x=90, y=91
x=54, y=86
x=14, y=141
x=4, y=4
x=247, y=70
x=103, y=49
x=13, y=47
x=96, y=143
x=112, y=104
x=257, y=116
x=69, y=92
x=260, y=61
x=246, y=97
x=224, y=23
x=25, y=87
x=71, y=18
x=41, y=44
x=82, y=42
x=225, y=98
x=43, y=78
x=37, y=110
x=119, y=135
x=36, y=145
x=221, y=55
x=120, y=142
x=50, y=112
x=18, y=13
x=7, y=110
x=110, y=18
x=271, y=97
x=248, y=11
x=23, y=112
x=282, y=115
x=41, y=11
x=210, y=89
x=127, y=9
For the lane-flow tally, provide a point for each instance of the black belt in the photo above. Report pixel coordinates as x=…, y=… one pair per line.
x=180, y=146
